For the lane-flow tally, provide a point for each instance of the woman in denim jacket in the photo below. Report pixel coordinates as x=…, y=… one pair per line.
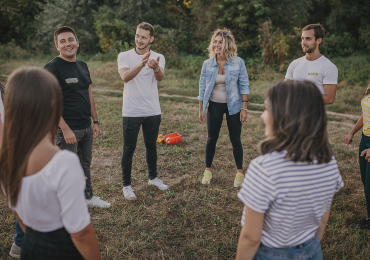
x=224, y=85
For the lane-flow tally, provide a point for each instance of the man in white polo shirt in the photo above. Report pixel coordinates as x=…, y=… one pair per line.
x=314, y=66
x=140, y=68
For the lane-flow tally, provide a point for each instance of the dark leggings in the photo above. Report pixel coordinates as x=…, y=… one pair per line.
x=365, y=170
x=215, y=116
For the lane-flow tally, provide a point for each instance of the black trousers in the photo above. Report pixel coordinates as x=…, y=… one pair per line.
x=215, y=116
x=131, y=127
x=365, y=170
x=56, y=245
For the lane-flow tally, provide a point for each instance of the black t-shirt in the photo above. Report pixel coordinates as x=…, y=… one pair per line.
x=74, y=78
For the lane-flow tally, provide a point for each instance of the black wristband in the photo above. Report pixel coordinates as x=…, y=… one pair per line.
x=245, y=100
x=96, y=122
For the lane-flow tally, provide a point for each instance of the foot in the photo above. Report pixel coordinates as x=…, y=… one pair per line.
x=128, y=192
x=207, y=176
x=15, y=251
x=239, y=177
x=363, y=224
x=158, y=183
x=97, y=202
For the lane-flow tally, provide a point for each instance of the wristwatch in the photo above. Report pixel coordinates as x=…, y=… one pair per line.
x=96, y=122
x=157, y=69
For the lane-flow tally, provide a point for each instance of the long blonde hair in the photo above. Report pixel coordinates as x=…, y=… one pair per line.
x=228, y=44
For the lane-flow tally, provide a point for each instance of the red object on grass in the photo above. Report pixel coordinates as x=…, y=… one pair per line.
x=173, y=138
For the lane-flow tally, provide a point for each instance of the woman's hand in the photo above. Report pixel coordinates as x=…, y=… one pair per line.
x=201, y=117
x=348, y=139
x=243, y=115
x=367, y=152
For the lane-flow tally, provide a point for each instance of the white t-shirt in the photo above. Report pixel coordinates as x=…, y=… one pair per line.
x=54, y=197
x=320, y=71
x=293, y=195
x=140, y=95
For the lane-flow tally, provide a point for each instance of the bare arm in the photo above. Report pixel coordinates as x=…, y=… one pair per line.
x=128, y=74
x=86, y=243
x=94, y=115
x=201, y=117
x=243, y=113
x=68, y=134
x=287, y=79
x=154, y=64
x=354, y=130
x=324, y=221
x=330, y=91
x=250, y=236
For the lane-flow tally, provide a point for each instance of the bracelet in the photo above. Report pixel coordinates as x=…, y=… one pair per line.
x=245, y=100
x=157, y=69
x=244, y=109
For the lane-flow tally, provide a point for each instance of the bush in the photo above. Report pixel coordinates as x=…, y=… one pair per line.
x=338, y=45
x=14, y=52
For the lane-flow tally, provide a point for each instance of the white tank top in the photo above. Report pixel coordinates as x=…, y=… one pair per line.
x=219, y=90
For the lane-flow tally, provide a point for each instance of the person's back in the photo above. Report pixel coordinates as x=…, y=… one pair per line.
x=42, y=184
x=299, y=194
x=288, y=190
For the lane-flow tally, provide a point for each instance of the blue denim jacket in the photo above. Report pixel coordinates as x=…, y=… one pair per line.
x=236, y=79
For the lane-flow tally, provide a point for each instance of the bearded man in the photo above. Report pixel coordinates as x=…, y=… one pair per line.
x=140, y=68
x=314, y=66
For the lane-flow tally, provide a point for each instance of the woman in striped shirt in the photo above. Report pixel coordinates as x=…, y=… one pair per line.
x=287, y=191
x=364, y=160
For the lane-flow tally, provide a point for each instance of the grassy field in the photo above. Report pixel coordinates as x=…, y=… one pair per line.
x=191, y=220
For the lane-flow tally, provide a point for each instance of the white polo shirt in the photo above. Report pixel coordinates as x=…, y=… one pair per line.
x=140, y=95
x=320, y=71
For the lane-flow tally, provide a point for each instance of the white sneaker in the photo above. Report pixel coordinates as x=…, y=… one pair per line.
x=97, y=202
x=129, y=193
x=158, y=183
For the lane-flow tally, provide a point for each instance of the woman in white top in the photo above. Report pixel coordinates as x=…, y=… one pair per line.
x=224, y=85
x=43, y=185
x=287, y=191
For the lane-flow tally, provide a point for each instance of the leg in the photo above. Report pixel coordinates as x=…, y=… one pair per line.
x=18, y=235
x=84, y=152
x=61, y=142
x=214, y=122
x=130, y=131
x=365, y=170
x=150, y=133
x=235, y=128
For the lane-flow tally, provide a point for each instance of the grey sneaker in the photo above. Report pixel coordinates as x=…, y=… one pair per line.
x=15, y=251
x=158, y=183
x=128, y=193
x=97, y=202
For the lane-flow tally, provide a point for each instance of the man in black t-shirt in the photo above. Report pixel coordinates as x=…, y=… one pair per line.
x=75, y=132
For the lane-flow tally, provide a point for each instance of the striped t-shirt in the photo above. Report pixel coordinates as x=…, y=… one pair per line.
x=365, y=104
x=293, y=196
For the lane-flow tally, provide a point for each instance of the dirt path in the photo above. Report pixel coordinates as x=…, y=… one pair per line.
x=349, y=116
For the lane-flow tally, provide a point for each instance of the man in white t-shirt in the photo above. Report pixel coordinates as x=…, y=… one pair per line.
x=141, y=68
x=314, y=66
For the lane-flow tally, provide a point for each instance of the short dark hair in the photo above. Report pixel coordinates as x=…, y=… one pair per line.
x=319, y=31
x=299, y=122
x=148, y=27
x=62, y=30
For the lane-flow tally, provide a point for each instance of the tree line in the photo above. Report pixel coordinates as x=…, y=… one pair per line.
x=270, y=28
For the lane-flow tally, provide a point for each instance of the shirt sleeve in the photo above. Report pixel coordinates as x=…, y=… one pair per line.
x=162, y=61
x=52, y=70
x=257, y=191
x=70, y=192
x=88, y=73
x=330, y=74
x=122, y=61
x=290, y=70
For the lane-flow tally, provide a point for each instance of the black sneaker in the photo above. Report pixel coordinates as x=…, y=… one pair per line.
x=363, y=224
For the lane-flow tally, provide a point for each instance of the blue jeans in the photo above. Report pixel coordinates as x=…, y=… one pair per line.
x=308, y=250
x=18, y=234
